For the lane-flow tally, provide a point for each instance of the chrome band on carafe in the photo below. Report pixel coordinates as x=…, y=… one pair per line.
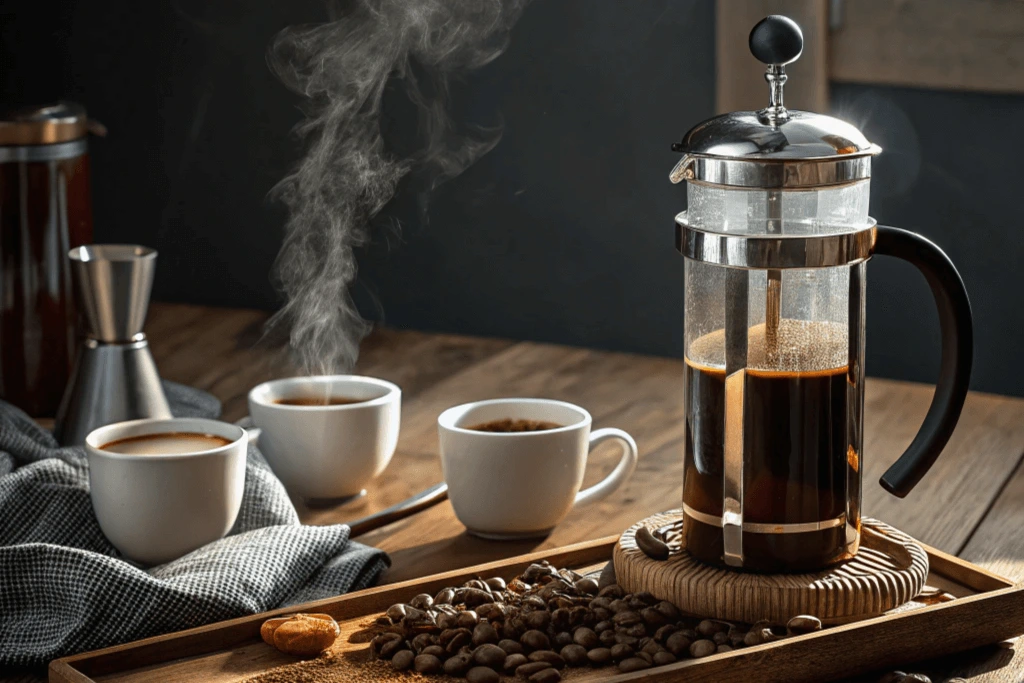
x=767, y=252
x=765, y=528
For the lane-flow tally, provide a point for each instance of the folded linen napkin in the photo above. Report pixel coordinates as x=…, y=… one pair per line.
x=64, y=589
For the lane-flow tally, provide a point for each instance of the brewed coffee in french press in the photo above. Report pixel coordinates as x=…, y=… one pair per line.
x=776, y=240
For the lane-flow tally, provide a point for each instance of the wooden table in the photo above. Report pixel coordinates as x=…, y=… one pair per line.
x=970, y=504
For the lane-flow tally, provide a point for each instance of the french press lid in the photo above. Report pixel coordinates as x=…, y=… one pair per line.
x=774, y=147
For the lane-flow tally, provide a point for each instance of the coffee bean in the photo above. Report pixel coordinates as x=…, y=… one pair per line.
x=723, y=648
x=720, y=638
x=689, y=633
x=476, y=596
x=651, y=648
x=668, y=610
x=633, y=664
x=484, y=633
x=599, y=656
x=422, y=601
x=392, y=647
x=626, y=639
x=917, y=678
x=637, y=630
x=509, y=631
x=491, y=611
x=703, y=648
x=423, y=640
x=562, y=639
x=803, y=623
x=613, y=591
x=618, y=605
x=468, y=619
x=538, y=620
x=530, y=668
x=458, y=665
x=396, y=612
x=587, y=586
x=444, y=596
x=652, y=547
x=585, y=637
x=752, y=638
x=626, y=618
x=402, y=660
x=510, y=646
x=662, y=634
x=621, y=651
x=427, y=664
x=381, y=640
x=552, y=658
x=580, y=615
x=481, y=674
x=496, y=584
x=600, y=603
x=490, y=655
x=447, y=621
x=435, y=650
x=708, y=628
x=653, y=618
x=546, y=676
x=574, y=655
x=646, y=597
x=535, y=640
x=461, y=639
x=512, y=662
x=663, y=658
x=608, y=637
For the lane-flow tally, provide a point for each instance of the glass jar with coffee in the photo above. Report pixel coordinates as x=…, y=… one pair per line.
x=776, y=241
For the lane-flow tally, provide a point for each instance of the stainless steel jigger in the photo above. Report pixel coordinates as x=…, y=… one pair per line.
x=115, y=378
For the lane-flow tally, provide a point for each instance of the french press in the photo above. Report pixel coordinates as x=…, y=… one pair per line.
x=776, y=240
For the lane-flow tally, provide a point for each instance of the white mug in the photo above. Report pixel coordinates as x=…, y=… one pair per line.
x=509, y=485
x=156, y=508
x=327, y=452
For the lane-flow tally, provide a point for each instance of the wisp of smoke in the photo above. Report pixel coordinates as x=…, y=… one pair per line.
x=346, y=177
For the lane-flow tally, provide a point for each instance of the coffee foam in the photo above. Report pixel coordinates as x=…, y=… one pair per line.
x=172, y=443
x=803, y=346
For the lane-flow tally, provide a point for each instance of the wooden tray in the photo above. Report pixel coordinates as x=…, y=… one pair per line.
x=988, y=609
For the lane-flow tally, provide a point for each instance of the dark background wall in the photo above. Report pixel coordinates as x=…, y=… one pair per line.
x=564, y=231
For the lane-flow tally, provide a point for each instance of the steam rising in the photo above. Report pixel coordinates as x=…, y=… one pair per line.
x=347, y=176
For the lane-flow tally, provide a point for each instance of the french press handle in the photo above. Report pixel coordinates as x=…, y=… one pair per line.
x=957, y=332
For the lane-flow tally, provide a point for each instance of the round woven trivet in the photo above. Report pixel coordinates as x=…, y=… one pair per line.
x=890, y=569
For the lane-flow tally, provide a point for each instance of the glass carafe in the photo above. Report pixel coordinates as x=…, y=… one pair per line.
x=777, y=238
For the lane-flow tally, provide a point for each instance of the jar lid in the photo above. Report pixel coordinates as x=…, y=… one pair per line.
x=774, y=147
x=43, y=125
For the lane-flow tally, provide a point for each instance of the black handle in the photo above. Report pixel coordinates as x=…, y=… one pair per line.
x=957, y=353
x=776, y=40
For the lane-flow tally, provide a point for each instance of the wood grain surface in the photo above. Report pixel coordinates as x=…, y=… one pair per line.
x=970, y=503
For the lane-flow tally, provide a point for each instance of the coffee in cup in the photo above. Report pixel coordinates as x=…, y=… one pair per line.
x=166, y=444
x=514, y=466
x=510, y=424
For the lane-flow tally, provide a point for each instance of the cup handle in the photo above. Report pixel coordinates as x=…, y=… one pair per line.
x=621, y=472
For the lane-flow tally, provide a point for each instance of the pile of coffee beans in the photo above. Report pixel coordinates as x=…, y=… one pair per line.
x=547, y=619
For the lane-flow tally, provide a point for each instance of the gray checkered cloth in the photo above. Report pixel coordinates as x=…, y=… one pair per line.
x=64, y=589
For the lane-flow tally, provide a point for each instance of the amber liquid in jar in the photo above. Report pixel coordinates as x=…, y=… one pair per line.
x=796, y=459
x=45, y=210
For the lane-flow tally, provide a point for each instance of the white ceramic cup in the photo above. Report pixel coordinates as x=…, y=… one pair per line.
x=509, y=485
x=156, y=508
x=325, y=453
